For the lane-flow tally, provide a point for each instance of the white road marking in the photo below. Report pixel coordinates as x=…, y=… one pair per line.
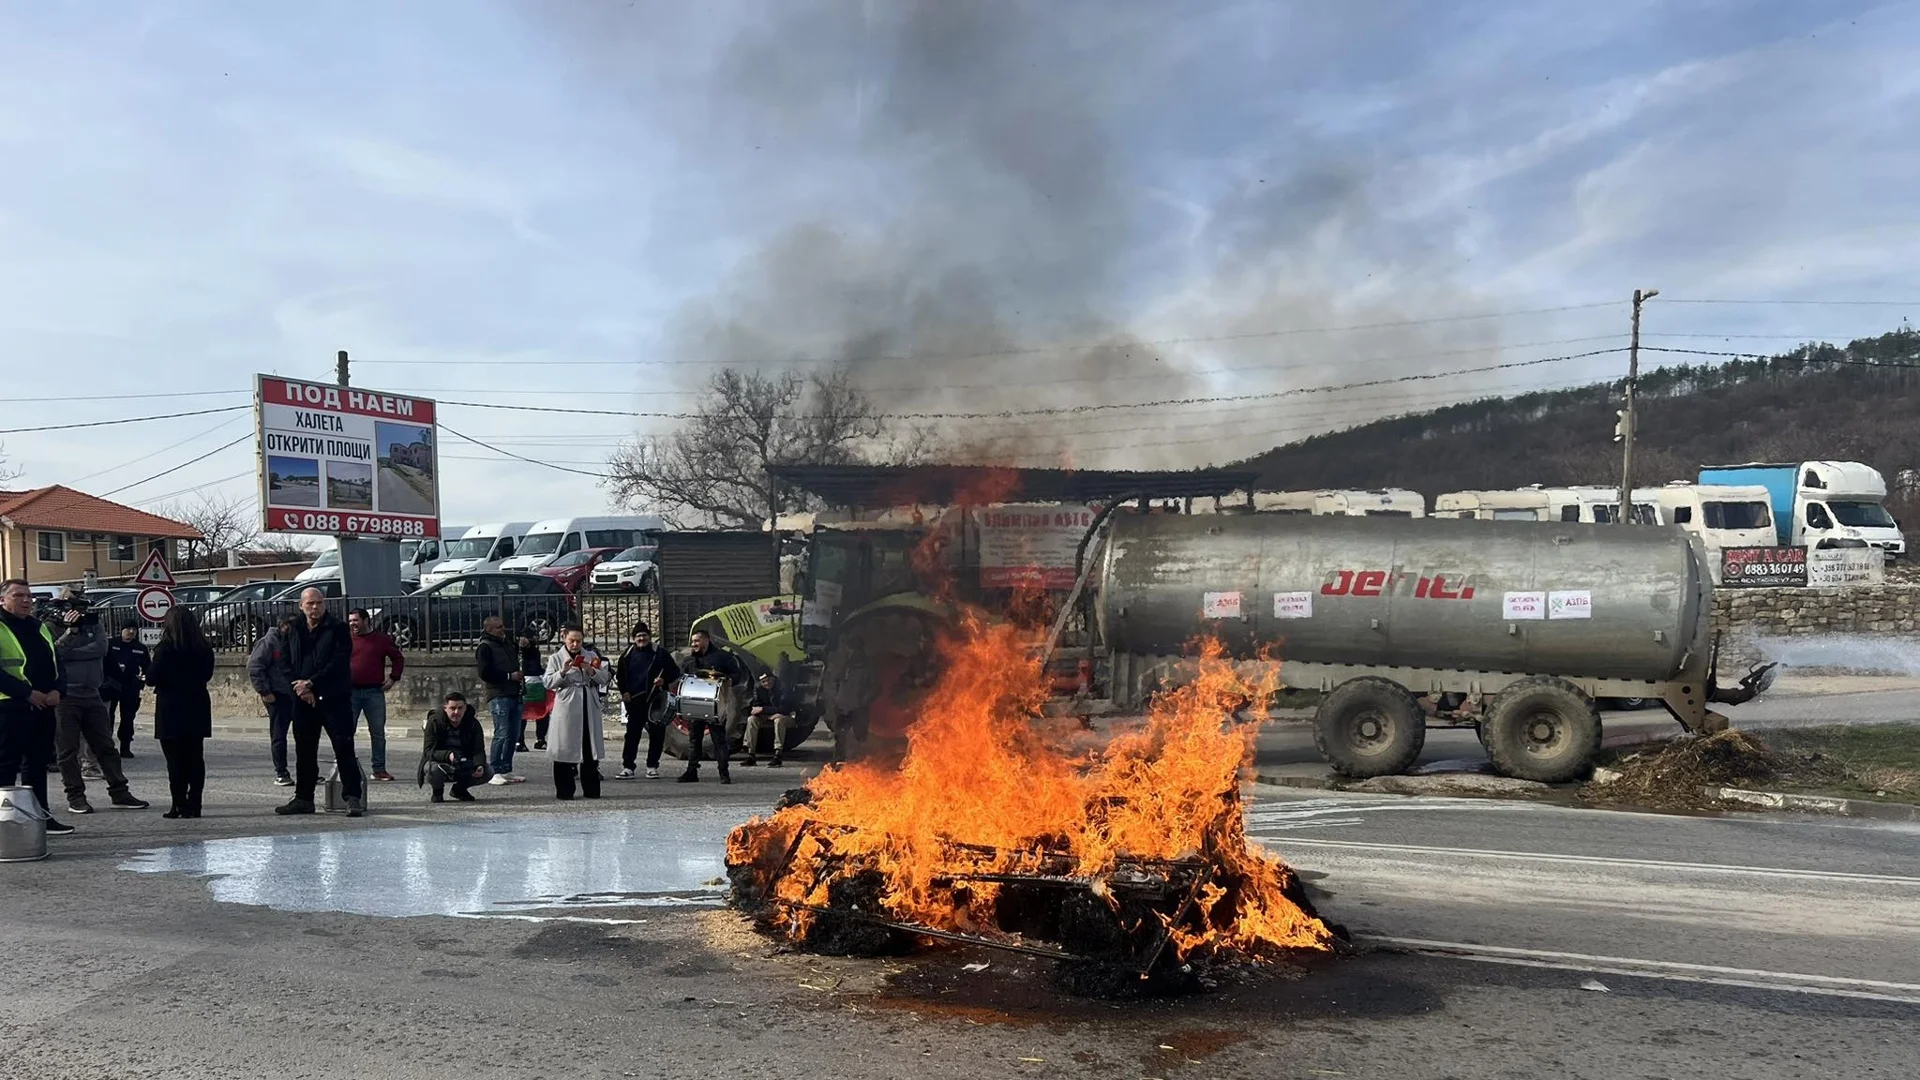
x=1604, y=860
x=1748, y=978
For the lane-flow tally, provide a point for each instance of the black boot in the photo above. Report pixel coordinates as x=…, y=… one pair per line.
x=126, y=751
x=295, y=805
x=563, y=775
x=439, y=793
x=691, y=776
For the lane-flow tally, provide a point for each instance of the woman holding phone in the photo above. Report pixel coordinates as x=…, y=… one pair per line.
x=577, y=676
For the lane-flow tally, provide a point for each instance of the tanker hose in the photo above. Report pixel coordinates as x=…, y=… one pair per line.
x=1752, y=685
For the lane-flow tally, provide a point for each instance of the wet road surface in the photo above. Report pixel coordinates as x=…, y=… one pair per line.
x=263, y=954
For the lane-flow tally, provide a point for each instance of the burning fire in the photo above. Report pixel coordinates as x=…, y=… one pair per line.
x=986, y=801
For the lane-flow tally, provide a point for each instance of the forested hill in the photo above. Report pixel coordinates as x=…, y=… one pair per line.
x=1860, y=402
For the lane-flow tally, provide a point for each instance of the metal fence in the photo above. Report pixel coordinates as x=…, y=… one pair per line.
x=421, y=624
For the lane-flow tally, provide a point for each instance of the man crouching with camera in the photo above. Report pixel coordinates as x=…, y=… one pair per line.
x=82, y=714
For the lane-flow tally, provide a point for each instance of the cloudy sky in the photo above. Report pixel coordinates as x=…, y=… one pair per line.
x=976, y=206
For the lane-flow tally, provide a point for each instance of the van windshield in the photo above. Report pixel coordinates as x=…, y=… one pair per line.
x=475, y=547
x=1861, y=515
x=1740, y=515
x=541, y=543
x=328, y=558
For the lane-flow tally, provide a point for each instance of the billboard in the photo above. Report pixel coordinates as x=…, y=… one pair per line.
x=345, y=461
x=1030, y=545
x=1762, y=567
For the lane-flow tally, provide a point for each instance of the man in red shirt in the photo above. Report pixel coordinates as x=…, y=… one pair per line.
x=371, y=681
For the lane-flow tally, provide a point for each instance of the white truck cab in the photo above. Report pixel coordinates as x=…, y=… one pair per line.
x=479, y=549
x=1821, y=503
x=1722, y=515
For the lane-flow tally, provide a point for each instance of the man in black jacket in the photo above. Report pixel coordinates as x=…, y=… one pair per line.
x=453, y=751
x=31, y=682
x=645, y=676
x=319, y=651
x=719, y=665
x=772, y=704
x=127, y=664
x=498, y=659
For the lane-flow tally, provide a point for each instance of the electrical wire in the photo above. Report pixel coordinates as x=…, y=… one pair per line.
x=182, y=465
x=1785, y=359
x=124, y=420
x=156, y=453
x=518, y=457
x=1038, y=350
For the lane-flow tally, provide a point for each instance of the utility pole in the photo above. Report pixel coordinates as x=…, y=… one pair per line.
x=340, y=363
x=1623, y=431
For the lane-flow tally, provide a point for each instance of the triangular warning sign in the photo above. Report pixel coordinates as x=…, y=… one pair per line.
x=154, y=571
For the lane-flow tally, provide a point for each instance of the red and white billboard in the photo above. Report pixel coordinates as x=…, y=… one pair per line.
x=346, y=461
x=1030, y=545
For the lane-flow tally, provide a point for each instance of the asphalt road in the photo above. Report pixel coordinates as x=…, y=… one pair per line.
x=404, y=491
x=580, y=940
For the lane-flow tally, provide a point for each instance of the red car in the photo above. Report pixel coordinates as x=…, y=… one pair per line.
x=571, y=571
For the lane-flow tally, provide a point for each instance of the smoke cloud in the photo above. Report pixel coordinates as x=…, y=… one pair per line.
x=986, y=206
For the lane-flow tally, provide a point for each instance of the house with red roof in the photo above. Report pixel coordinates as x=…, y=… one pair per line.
x=56, y=534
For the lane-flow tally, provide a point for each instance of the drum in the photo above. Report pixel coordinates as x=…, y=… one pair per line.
x=699, y=699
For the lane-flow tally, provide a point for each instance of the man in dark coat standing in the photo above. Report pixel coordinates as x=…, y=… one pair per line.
x=320, y=652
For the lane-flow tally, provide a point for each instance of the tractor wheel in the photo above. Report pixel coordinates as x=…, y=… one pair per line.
x=1544, y=729
x=1370, y=727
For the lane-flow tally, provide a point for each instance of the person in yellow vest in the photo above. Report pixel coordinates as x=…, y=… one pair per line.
x=31, y=683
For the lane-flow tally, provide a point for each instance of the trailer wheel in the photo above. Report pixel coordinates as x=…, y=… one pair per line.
x=1544, y=729
x=1369, y=727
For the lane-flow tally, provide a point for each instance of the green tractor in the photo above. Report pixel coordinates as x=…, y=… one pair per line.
x=859, y=631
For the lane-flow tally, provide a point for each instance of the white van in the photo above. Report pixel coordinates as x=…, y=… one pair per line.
x=1596, y=506
x=548, y=540
x=1722, y=515
x=1522, y=504
x=479, y=549
x=327, y=565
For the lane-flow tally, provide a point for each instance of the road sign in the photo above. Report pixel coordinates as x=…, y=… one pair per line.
x=153, y=603
x=149, y=636
x=154, y=571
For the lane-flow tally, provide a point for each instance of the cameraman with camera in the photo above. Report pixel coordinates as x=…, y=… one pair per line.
x=82, y=712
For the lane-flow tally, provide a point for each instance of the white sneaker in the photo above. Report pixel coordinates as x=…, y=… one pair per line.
x=499, y=780
x=653, y=774
x=624, y=774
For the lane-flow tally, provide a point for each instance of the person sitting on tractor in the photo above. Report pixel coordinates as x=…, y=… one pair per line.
x=772, y=703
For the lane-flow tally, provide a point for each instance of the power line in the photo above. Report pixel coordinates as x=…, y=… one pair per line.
x=518, y=457
x=69, y=398
x=156, y=453
x=152, y=500
x=125, y=420
x=182, y=465
x=1087, y=407
x=1800, y=303
x=1039, y=350
x=1787, y=359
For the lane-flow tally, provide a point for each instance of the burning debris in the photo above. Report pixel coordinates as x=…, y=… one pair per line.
x=1131, y=863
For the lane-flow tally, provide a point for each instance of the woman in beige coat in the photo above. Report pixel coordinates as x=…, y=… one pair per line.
x=577, y=676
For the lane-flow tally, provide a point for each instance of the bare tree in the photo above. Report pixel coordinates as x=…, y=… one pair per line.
x=716, y=468
x=8, y=474
x=225, y=524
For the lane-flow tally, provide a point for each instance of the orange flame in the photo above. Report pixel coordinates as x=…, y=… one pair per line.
x=984, y=789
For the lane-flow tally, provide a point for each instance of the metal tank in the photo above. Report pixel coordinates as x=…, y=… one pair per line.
x=1593, y=601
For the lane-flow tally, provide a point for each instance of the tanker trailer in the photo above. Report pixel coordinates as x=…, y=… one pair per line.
x=1515, y=628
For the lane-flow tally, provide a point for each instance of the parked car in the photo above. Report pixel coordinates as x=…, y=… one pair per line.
x=573, y=571
x=244, y=612
x=629, y=571
x=198, y=594
x=451, y=612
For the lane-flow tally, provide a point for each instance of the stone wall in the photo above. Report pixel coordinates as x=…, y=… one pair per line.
x=1887, y=613
x=424, y=685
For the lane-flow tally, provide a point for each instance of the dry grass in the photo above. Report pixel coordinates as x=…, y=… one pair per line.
x=1870, y=761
